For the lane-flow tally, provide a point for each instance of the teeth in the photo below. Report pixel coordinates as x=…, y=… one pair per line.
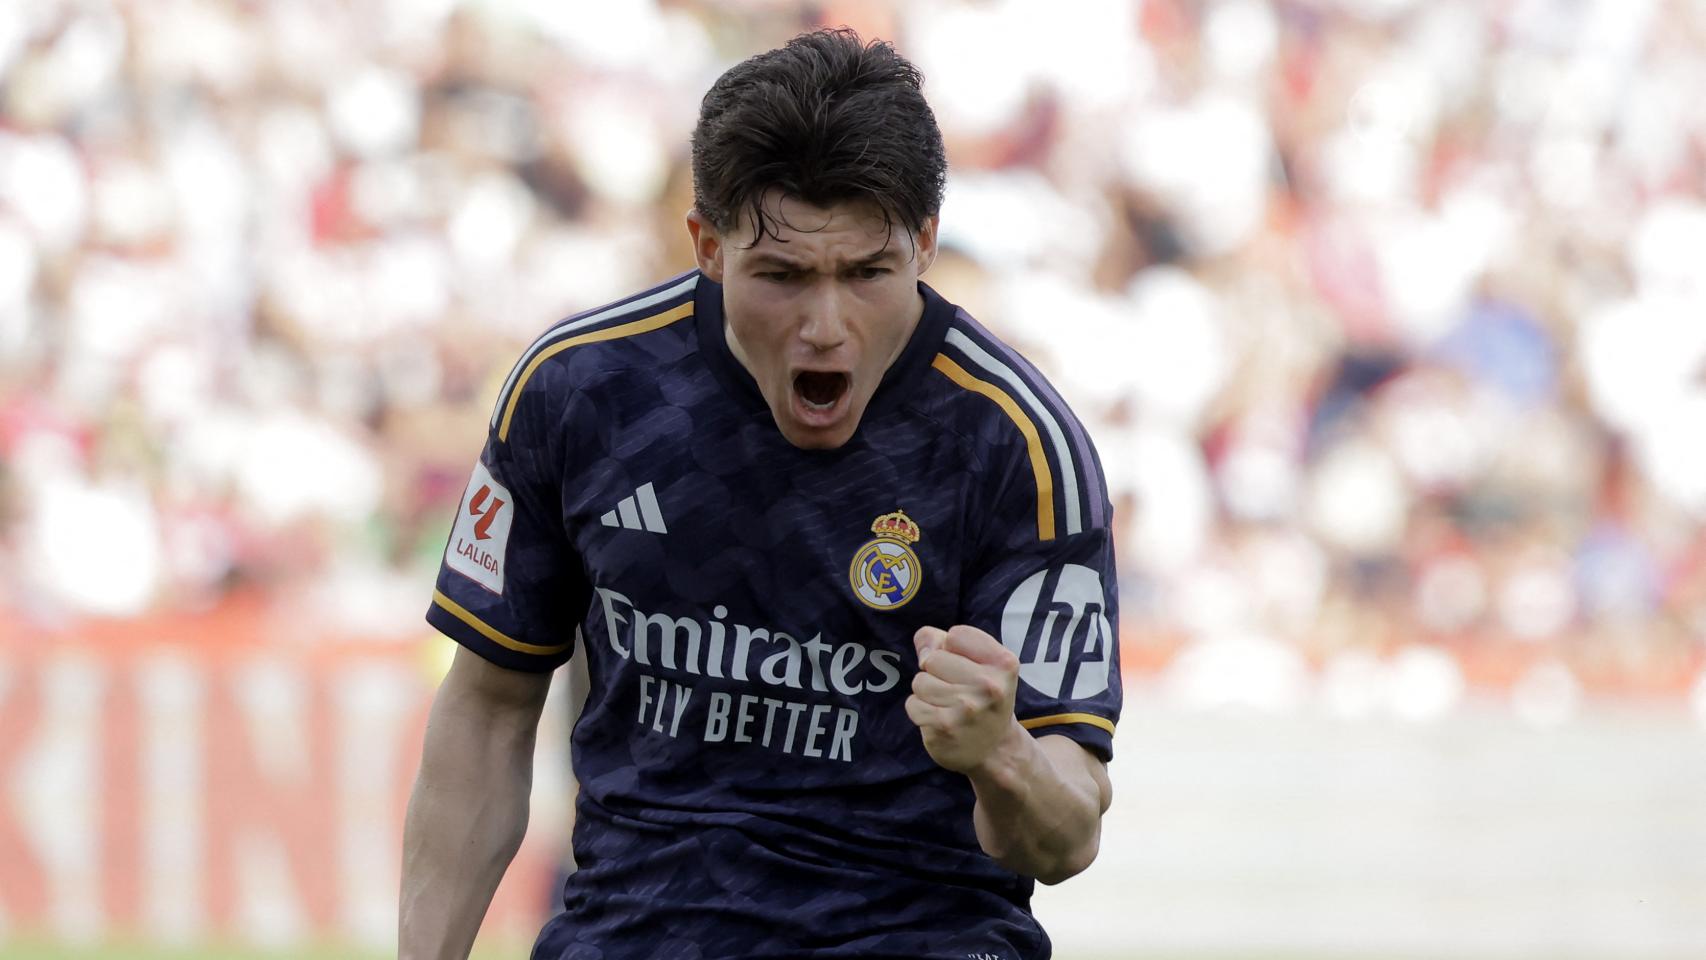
x=804, y=394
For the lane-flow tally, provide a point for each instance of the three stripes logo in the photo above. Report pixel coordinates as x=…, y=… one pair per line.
x=1056, y=622
x=638, y=512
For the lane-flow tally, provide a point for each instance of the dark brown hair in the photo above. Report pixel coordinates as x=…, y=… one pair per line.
x=825, y=119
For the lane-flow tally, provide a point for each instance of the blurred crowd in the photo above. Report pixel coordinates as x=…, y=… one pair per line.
x=1389, y=316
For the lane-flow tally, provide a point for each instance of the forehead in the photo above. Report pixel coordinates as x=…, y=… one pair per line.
x=799, y=231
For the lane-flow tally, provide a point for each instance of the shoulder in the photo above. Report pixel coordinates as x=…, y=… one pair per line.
x=650, y=328
x=1011, y=415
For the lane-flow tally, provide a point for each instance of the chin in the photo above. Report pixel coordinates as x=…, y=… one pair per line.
x=817, y=438
x=815, y=428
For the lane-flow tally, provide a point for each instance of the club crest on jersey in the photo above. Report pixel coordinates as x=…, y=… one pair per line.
x=885, y=572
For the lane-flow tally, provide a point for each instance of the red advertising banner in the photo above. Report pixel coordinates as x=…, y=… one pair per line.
x=182, y=779
x=238, y=776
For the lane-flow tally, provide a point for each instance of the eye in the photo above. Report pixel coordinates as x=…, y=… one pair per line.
x=778, y=276
x=870, y=273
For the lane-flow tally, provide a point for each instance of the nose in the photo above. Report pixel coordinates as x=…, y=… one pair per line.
x=823, y=328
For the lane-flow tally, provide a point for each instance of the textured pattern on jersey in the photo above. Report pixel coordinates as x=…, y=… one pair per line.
x=750, y=783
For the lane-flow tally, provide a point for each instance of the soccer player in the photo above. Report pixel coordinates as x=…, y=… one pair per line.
x=837, y=559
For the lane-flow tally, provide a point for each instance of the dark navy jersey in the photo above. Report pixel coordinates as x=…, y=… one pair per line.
x=750, y=783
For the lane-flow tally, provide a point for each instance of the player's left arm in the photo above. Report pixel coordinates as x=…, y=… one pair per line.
x=1022, y=694
x=1040, y=799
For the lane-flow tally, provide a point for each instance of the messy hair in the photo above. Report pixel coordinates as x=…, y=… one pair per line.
x=825, y=119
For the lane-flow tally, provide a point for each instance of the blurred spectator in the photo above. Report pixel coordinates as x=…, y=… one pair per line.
x=1388, y=316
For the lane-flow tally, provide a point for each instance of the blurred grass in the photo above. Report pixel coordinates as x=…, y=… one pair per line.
x=44, y=950
x=516, y=951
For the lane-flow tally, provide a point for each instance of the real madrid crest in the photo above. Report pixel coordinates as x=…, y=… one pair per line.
x=885, y=572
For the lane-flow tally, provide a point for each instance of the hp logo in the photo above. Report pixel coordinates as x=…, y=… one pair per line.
x=1063, y=642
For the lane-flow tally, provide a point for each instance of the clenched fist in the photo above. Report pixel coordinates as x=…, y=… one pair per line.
x=962, y=697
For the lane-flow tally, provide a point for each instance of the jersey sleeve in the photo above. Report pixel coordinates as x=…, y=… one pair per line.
x=1053, y=601
x=510, y=587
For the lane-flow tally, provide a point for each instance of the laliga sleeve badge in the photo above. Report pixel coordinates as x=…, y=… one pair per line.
x=477, y=542
x=886, y=572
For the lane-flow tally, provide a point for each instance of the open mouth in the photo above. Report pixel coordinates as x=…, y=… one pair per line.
x=819, y=398
x=820, y=390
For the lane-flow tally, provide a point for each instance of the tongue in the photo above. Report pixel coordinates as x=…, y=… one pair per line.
x=819, y=388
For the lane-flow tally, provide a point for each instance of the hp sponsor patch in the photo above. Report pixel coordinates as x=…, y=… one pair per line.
x=1056, y=623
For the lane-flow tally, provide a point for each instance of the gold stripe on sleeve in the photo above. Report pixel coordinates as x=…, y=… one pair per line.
x=645, y=325
x=1033, y=442
x=1056, y=719
x=456, y=610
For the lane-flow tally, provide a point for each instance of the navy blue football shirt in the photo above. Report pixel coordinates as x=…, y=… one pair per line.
x=750, y=784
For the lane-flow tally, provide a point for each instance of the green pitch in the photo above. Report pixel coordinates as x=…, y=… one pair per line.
x=39, y=950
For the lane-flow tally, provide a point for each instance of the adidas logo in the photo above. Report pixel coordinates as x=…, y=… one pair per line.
x=638, y=512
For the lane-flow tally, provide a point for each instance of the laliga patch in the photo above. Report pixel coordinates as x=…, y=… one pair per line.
x=477, y=542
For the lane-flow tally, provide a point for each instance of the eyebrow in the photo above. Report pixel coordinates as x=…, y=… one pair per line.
x=777, y=259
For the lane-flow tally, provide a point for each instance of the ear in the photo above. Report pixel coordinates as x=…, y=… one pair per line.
x=925, y=242
x=707, y=245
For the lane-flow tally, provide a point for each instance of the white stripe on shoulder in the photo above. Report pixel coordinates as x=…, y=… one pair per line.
x=564, y=329
x=1062, y=450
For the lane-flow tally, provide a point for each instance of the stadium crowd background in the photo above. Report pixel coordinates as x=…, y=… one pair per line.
x=1389, y=317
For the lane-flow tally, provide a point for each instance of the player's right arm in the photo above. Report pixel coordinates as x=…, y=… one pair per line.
x=470, y=805
x=510, y=592
x=468, y=811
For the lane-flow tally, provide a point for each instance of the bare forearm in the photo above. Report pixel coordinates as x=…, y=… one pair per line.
x=466, y=818
x=1039, y=806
